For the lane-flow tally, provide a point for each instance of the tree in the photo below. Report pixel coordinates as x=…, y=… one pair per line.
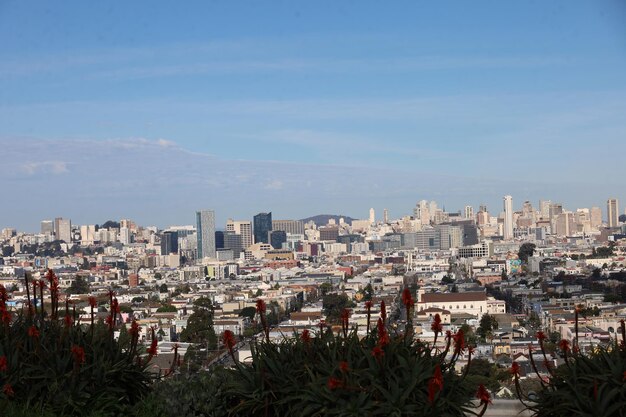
x=447, y=280
x=334, y=304
x=526, y=250
x=200, y=325
x=167, y=308
x=163, y=288
x=368, y=292
x=249, y=312
x=488, y=323
x=78, y=286
x=325, y=288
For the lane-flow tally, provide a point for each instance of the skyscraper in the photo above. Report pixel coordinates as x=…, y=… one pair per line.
x=277, y=238
x=612, y=212
x=205, y=224
x=47, y=227
x=386, y=216
x=63, y=229
x=243, y=228
x=262, y=227
x=469, y=212
x=372, y=216
x=169, y=242
x=508, y=217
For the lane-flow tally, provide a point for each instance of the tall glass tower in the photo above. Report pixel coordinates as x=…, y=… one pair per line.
x=262, y=227
x=205, y=223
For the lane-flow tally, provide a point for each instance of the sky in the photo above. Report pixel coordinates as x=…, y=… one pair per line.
x=152, y=110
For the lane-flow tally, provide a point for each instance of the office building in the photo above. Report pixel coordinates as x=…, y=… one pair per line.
x=294, y=227
x=372, y=218
x=262, y=227
x=508, y=218
x=243, y=228
x=47, y=227
x=205, y=229
x=612, y=212
x=169, y=243
x=63, y=229
x=277, y=238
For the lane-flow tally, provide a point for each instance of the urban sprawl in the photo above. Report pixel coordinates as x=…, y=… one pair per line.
x=502, y=276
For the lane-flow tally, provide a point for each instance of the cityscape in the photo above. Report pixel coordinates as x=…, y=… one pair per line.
x=313, y=209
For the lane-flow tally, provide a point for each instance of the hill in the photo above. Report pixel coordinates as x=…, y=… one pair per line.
x=322, y=219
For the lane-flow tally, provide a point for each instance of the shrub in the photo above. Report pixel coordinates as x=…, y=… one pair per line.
x=57, y=365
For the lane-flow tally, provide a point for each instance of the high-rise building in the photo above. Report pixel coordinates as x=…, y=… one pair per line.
x=372, y=216
x=294, y=227
x=63, y=229
x=469, y=212
x=508, y=217
x=169, y=242
x=262, y=227
x=386, y=216
x=87, y=234
x=124, y=235
x=243, y=228
x=596, y=217
x=205, y=226
x=422, y=212
x=544, y=209
x=234, y=242
x=612, y=212
x=277, y=238
x=47, y=227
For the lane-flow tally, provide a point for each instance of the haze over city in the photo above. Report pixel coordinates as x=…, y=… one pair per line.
x=146, y=112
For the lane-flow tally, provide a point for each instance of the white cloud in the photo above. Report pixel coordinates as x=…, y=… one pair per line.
x=46, y=167
x=274, y=185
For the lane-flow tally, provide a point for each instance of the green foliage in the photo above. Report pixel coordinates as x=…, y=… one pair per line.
x=45, y=375
x=200, y=325
x=397, y=385
x=333, y=305
x=167, y=308
x=526, y=250
x=589, y=384
x=248, y=312
x=488, y=323
x=79, y=286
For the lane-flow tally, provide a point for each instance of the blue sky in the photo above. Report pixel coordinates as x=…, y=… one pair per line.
x=151, y=110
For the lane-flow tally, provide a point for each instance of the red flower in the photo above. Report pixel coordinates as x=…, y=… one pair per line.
x=3, y=364
x=383, y=336
x=109, y=321
x=93, y=303
x=334, y=383
x=383, y=311
x=541, y=336
x=4, y=296
x=134, y=329
x=368, y=305
x=564, y=345
x=115, y=306
x=305, y=336
x=483, y=395
x=436, y=325
x=407, y=299
x=515, y=369
x=459, y=341
x=229, y=339
x=8, y=390
x=79, y=354
x=152, y=350
x=377, y=352
x=345, y=315
x=68, y=320
x=260, y=306
x=435, y=384
x=33, y=332
x=343, y=366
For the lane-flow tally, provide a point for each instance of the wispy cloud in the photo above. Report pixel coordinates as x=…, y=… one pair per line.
x=46, y=167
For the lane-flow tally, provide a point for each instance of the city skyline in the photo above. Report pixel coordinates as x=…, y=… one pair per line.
x=339, y=106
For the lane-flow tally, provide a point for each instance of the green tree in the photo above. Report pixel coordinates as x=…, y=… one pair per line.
x=249, y=312
x=488, y=323
x=325, y=288
x=163, y=288
x=526, y=250
x=333, y=305
x=200, y=325
x=78, y=286
x=368, y=292
x=167, y=308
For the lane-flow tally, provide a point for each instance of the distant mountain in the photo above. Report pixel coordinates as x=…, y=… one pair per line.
x=322, y=219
